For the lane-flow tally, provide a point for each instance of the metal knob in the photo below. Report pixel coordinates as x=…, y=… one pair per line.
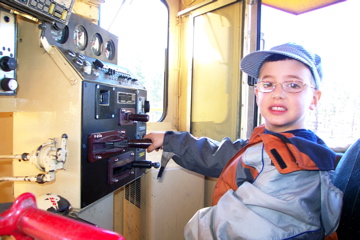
x=8, y=64
x=9, y=84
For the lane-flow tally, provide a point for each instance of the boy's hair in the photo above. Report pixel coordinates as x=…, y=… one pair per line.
x=275, y=58
x=252, y=62
x=279, y=57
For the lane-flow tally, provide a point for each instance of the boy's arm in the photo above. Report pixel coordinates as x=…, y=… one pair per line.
x=201, y=155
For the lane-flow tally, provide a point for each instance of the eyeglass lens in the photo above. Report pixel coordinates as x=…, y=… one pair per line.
x=290, y=86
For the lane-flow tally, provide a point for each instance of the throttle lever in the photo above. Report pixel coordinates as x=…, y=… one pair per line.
x=139, y=143
x=143, y=164
x=134, y=143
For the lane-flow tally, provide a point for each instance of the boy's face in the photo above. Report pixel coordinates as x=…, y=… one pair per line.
x=284, y=111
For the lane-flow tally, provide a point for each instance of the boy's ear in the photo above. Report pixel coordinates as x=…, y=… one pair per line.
x=256, y=93
x=315, y=100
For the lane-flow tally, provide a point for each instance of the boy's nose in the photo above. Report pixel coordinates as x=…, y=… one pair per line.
x=278, y=92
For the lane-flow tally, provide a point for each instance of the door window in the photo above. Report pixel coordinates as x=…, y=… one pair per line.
x=142, y=28
x=329, y=32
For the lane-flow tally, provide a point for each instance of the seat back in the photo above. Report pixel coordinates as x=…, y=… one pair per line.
x=347, y=179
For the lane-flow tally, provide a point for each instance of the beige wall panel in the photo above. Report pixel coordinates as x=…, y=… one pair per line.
x=6, y=142
x=171, y=202
x=88, y=10
x=47, y=106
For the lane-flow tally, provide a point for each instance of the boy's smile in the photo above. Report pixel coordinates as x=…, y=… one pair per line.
x=277, y=109
x=284, y=111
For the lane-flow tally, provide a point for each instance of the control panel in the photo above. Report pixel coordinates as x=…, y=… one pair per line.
x=114, y=108
x=113, y=149
x=8, y=62
x=45, y=10
x=93, y=69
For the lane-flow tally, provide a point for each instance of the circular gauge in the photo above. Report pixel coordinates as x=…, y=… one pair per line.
x=96, y=44
x=110, y=50
x=60, y=35
x=80, y=37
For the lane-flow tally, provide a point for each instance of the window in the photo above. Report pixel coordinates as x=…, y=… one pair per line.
x=329, y=32
x=142, y=28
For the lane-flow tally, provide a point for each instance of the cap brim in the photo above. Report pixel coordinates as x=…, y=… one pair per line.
x=251, y=63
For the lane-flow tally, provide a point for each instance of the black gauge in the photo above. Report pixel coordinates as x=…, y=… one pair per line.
x=80, y=37
x=96, y=44
x=110, y=50
x=60, y=35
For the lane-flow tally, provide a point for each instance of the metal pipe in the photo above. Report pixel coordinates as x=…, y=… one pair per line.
x=10, y=157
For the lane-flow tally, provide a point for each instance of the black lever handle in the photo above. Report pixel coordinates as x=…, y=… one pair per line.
x=143, y=164
x=139, y=143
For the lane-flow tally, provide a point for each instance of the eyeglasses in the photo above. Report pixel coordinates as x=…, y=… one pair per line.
x=288, y=86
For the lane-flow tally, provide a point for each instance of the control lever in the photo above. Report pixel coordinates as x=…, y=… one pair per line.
x=143, y=164
x=139, y=143
x=126, y=163
x=142, y=143
x=134, y=143
x=127, y=116
x=104, y=145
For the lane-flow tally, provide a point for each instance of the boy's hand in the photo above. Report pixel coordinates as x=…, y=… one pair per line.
x=157, y=139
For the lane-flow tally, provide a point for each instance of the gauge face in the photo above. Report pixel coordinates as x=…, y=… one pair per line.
x=96, y=44
x=60, y=36
x=80, y=37
x=110, y=50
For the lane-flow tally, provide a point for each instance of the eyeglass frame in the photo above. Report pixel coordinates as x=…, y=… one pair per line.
x=282, y=85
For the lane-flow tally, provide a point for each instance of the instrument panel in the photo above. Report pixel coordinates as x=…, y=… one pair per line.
x=84, y=37
x=114, y=107
x=46, y=10
x=8, y=61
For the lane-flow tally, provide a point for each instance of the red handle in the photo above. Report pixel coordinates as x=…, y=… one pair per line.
x=25, y=221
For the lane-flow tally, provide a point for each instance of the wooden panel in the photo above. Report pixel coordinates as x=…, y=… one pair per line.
x=6, y=146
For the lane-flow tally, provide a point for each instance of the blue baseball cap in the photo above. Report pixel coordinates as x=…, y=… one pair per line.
x=251, y=63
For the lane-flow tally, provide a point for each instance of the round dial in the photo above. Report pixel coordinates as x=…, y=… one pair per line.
x=96, y=44
x=9, y=84
x=80, y=37
x=110, y=50
x=60, y=35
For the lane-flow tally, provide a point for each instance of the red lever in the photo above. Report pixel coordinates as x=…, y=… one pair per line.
x=25, y=221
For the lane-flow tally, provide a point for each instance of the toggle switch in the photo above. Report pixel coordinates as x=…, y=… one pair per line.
x=146, y=106
x=98, y=64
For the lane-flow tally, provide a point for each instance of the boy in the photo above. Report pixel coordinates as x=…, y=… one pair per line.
x=275, y=185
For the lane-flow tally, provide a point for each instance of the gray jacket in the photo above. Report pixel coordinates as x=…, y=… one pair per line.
x=298, y=205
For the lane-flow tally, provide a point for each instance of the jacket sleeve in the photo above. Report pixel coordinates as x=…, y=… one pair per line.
x=331, y=203
x=201, y=155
